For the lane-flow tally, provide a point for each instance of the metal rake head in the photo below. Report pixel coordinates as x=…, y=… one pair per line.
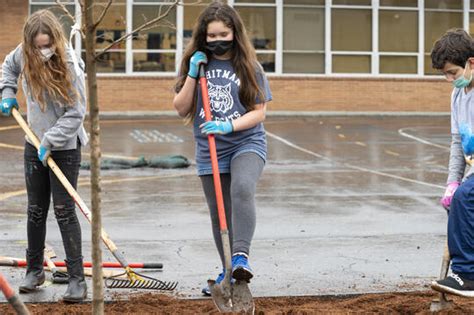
x=139, y=281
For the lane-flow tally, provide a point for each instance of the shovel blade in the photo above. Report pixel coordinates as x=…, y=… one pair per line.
x=438, y=306
x=221, y=295
x=441, y=304
x=242, y=299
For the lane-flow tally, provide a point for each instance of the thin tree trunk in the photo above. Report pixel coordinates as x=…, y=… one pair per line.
x=98, y=289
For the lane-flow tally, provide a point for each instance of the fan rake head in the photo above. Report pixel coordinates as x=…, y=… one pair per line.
x=138, y=281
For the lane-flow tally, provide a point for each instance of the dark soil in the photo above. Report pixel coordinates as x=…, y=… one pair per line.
x=389, y=303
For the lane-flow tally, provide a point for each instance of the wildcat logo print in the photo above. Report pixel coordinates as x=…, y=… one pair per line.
x=220, y=97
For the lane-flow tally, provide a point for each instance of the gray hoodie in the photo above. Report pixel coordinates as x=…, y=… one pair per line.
x=461, y=112
x=59, y=126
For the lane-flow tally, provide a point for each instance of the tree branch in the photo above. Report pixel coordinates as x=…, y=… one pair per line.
x=102, y=14
x=65, y=10
x=140, y=28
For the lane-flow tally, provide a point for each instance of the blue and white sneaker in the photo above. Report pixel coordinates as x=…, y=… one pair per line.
x=206, y=290
x=240, y=267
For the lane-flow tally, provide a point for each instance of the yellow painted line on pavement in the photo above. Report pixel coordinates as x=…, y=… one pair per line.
x=9, y=127
x=362, y=144
x=11, y=194
x=11, y=146
x=83, y=182
x=111, y=156
x=342, y=136
x=392, y=153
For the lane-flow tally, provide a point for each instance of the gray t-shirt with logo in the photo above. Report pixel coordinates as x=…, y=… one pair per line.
x=223, y=87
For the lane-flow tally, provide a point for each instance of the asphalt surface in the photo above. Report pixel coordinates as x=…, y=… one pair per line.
x=345, y=205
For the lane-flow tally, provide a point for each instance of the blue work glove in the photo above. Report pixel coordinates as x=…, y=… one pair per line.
x=217, y=127
x=43, y=154
x=7, y=106
x=198, y=58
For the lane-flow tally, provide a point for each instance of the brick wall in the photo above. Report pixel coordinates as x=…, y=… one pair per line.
x=298, y=94
x=13, y=14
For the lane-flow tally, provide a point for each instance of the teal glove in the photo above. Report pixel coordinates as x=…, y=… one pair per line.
x=43, y=154
x=7, y=106
x=198, y=58
x=217, y=127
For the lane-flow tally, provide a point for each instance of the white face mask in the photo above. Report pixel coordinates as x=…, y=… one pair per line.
x=46, y=54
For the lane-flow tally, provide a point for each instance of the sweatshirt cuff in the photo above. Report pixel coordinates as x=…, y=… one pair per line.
x=8, y=93
x=45, y=143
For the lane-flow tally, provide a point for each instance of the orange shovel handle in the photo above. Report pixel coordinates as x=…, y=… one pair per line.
x=212, y=151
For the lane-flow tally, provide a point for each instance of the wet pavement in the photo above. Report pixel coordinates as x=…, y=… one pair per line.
x=345, y=205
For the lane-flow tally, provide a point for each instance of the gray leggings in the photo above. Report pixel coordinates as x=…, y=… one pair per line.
x=238, y=189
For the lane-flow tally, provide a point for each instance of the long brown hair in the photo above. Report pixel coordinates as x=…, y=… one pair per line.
x=52, y=76
x=244, y=59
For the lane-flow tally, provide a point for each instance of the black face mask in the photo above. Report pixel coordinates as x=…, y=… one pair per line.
x=219, y=47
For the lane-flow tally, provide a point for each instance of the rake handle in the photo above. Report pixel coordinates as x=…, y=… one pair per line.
x=69, y=188
x=17, y=262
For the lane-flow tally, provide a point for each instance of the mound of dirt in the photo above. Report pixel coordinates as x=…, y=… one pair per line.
x=149, y=303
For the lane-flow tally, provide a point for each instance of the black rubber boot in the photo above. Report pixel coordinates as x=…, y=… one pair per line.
x=72, y=241
x=34, y=272
x=77, y=288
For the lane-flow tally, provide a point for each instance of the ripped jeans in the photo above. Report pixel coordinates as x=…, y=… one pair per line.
x=41, y=182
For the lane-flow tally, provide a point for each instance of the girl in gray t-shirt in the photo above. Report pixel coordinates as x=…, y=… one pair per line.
x=238, y=93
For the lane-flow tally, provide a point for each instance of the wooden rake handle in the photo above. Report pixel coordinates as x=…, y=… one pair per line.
x=67, y=185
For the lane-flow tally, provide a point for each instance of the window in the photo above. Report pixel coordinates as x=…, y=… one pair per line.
x=398, y=56
x=471, y=18
x=191, y=13
x=260, y=23
x=154, y=49
x=303, y=38
x=254, y=1
x=351, y=33
x=351, y=2
x=58, y=12
x=112, y=27
x=439, y=17
x=398, y=64
x=399, y=3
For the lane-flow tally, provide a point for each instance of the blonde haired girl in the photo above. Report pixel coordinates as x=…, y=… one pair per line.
x=53, y=82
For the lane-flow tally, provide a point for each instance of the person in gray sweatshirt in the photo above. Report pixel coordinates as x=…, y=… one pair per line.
x=53, y=83
x=453, y=54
